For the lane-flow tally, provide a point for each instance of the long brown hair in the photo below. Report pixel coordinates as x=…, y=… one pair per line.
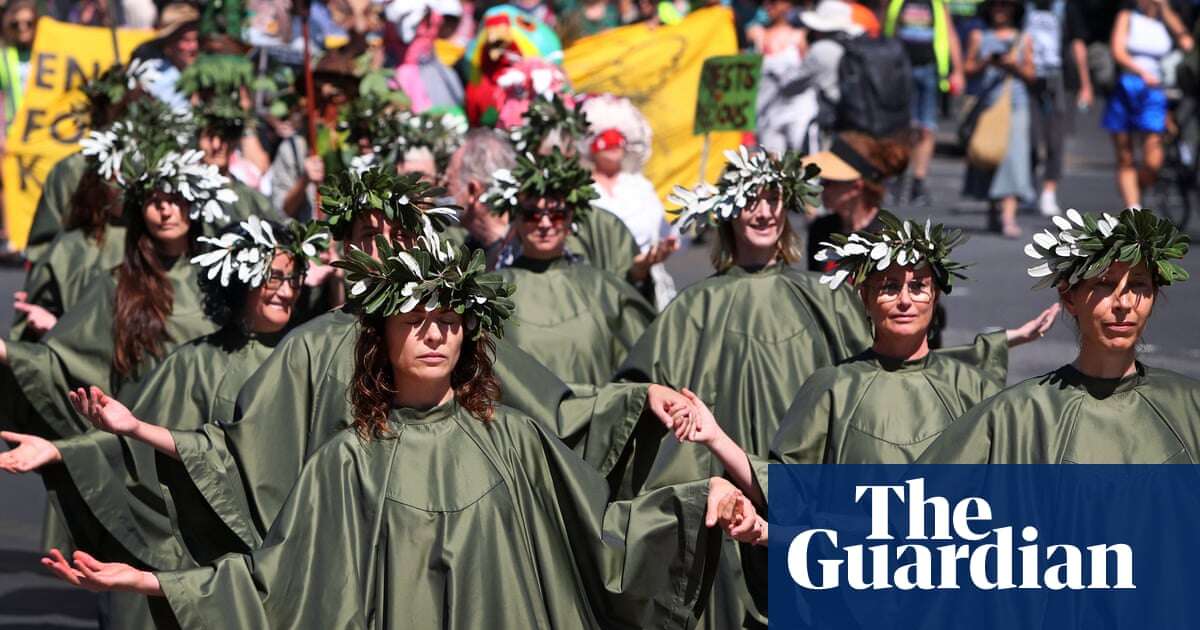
x=144, y=298
x=93, y=203
x=372, y=389
x=889, y=155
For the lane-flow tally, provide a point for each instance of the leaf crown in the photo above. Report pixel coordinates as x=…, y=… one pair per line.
x=903, y=243
x=246, y=255
x=405, y=200
x=551, y=176
x=433, y=275
x=1085, y=245
x=548, y=113
x=747, y=173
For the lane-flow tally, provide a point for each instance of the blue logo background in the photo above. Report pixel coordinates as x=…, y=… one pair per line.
x=1153, y=509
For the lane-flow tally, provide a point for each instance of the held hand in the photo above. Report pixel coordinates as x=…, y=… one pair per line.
x=106, y=414
x=671, y=407
x=730, y=510
x=39, y=319
x=705, y=429
x=1035, y=328
x=30, y=453
x=97, y=576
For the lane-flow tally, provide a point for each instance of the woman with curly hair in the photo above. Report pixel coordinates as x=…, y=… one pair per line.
x=143, y=507
x=490, y=483
x=1106, y=406
x=574, y=318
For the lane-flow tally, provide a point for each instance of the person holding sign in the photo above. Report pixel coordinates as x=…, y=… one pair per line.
x=1105, y=407
x=20, y=28
x=575, y=319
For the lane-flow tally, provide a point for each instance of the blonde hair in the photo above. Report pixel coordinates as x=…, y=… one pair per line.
x=724, y=252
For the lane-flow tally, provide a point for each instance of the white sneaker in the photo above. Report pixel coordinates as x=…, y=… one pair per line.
x=1048, y=204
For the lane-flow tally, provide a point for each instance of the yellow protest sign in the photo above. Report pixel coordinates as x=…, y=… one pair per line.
x=659, y=70
x=44, y=131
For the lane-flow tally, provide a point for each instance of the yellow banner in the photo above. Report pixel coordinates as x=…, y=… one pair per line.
x=44, y=131
x=659, y=70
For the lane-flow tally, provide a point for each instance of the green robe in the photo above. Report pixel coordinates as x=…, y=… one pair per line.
x=501, y=526
x=54, y=205
x=602, y=238
x=78, y=353
x=65, y=271
x=1150, y=417
x=875, y=410
x=745, y=342
x=314, y=366
x=577, y=320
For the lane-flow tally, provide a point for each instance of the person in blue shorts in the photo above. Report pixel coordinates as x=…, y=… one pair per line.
x=1145, y=31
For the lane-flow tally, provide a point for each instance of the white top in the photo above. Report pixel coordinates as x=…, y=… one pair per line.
x=636, y=203
x=1148, y=42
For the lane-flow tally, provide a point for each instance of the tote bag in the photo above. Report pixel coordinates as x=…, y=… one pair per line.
x=989, y=140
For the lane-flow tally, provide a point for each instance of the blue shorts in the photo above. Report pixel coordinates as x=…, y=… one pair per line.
x=925, y=97
x=1135, y=106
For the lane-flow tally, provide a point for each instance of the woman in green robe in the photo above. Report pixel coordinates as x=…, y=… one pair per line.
x=888, y=403
x=93, y=242
x=576, y=319
x=127, y=321
x=314, y=364
x=1105, y=407
x=130, y=504
x=746, y=339
x=505, y=527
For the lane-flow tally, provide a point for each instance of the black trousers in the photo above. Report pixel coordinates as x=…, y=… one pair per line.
x=1048, y=106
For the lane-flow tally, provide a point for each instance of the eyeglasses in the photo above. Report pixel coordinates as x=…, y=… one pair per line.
x=557, y=216
x=15, y=24
x=890, y=290
x=276, y=280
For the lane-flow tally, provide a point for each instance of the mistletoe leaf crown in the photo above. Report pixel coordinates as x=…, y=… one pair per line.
x=435, y=274
x=551, y=176
x=405, y=200
x=902, y=243
x=1084, y=245
x=246, y=256
x=748, y=172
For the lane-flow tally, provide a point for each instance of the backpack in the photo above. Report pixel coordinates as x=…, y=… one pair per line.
x=876, y=87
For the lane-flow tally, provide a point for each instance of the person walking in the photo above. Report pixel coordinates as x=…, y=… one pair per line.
x=1142, y=36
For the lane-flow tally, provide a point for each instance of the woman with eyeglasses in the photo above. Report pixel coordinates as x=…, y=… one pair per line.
x=577, y=320
x=437, y=507
x=125, y=501
x=885, y=405
x=1106, y=406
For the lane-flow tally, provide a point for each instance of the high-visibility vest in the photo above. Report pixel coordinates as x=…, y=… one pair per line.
x=10, y=82
x=941, y=36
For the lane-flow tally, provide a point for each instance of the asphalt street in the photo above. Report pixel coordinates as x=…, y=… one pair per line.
x=998, y=295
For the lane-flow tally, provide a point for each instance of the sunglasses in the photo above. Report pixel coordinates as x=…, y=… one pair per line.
x=15, y=24
x=557, y=216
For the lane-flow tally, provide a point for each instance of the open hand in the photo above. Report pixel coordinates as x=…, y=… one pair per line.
x=97, y=576
x=657, y=253
x=39, y=320
x=106, y=414
x=1035, y=328
x=30, y=453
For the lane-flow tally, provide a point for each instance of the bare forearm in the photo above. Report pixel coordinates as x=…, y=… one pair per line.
x=1079, y=49
x=157, y=437
x=737, y=465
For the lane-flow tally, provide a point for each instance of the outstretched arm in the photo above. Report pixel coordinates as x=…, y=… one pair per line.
x=1033, y=329
x=30, y=453
x=97, y=576
x=108, y=414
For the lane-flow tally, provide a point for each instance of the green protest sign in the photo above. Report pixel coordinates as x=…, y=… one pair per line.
x=728, y=93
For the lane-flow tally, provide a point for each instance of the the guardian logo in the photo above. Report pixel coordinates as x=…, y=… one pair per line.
x=986, y=557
